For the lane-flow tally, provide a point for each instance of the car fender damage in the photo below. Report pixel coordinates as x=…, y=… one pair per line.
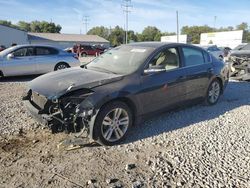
x=71, y=112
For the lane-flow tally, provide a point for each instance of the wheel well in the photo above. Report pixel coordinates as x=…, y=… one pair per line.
x=1, y=74
x=128, y=102
x=61, y=62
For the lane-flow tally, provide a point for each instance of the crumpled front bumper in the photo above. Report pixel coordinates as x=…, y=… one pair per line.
x=40, y=118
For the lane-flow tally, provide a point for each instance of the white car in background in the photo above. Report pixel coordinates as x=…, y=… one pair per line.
x=34, y=59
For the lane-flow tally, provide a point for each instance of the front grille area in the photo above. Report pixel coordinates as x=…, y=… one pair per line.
x=38, y=99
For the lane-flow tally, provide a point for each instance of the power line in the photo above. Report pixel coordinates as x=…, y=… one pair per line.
x=86, y=23
x=126, y=8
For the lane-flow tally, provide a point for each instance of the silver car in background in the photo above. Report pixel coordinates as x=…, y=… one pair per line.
x=34, y=59
x=218, y=53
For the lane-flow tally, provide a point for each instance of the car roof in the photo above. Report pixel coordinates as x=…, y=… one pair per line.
x=34, y=45
x=159, y=44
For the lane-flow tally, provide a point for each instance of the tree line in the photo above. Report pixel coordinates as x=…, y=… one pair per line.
x=116, y=35
x=34, y=26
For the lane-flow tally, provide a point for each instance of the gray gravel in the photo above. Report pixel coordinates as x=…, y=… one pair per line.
x=199, y=146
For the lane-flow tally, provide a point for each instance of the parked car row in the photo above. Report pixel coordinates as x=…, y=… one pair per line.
x=34, y=59
x=86, y=50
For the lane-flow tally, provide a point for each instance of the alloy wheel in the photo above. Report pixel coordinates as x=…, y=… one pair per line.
x=61, y=66
x=214, y=92
x=115, y=125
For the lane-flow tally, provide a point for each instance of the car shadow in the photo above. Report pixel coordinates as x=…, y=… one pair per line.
x=235, y=95
x=18, y=78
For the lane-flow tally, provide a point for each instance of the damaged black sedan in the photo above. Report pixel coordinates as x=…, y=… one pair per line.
x=120, y=87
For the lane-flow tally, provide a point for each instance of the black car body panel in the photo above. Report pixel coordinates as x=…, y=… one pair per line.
x=145, y=93
x=56, y=84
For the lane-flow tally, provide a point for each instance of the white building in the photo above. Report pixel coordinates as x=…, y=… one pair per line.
x=173, y=38
x=228, y=38
x=66, y=40
x=10, y=35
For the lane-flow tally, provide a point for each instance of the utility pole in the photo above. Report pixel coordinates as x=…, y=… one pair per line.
x=215, y=18
x=86, y=23
x=177, y=25
x=126, y=8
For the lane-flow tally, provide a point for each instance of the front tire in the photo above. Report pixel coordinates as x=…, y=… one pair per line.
x=61, y=66
x=213, y=92
x=112, y=123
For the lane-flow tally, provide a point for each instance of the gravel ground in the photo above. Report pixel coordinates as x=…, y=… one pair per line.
x=199, y=146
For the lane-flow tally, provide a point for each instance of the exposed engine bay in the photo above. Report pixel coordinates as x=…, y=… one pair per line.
x=66, y=113
x=240, y=68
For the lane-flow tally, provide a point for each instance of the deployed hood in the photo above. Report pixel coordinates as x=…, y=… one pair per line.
x=58, y=83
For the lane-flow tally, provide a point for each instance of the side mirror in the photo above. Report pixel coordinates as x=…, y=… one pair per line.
x=154, y=69
x=10, y=56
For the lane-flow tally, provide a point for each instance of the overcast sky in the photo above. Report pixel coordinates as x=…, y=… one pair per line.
x=160, y=13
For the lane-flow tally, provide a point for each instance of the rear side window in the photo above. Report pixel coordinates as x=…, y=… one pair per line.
x=46, y=51
x=192, y=56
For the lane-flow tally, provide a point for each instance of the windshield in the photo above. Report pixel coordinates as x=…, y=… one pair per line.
x=7, y=51
x=121, y=60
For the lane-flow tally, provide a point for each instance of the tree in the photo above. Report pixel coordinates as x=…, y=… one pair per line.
x=117, y=36
x=100, y=31
x=8, y=23
x=246, y=35
x=150, y=33
x=194, y=32
x=132, y=37
x=24, y=26
x=242, y=26
x=44, y=27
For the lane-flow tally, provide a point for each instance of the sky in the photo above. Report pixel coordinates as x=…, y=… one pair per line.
x=109, y=13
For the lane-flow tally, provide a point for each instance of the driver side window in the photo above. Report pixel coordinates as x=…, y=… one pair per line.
x=167, y=59
x=23, y=52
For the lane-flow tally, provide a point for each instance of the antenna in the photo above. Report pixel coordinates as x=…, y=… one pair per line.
x=126, y=8
x=86, y=23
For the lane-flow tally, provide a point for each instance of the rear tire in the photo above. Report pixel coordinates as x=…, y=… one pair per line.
x=61, y=66
x=84, y=54
x=1, y=74
x=213, y=93
x=112, y=123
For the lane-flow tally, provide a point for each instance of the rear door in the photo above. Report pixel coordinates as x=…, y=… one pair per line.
x=198, y=71
x=164, y=89
x=46, y=58
x=22, y=63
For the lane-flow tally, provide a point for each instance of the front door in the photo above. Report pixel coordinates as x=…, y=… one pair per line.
x=163, y=89
x=21, y=63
